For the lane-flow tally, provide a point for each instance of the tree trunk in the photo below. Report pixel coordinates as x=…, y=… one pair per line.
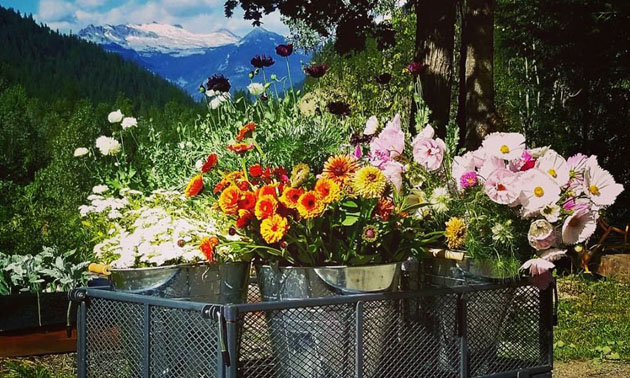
x=480, y=115
x=435, y=32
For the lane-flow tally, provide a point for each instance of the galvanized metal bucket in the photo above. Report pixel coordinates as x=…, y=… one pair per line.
x=220, y=283
x=486, y=316
x=316, y=342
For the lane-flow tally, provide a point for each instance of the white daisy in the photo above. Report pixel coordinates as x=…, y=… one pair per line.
x=81, y=151
x=440, y=199
x=537, y=190
x=555, y=166
x=115, y=117
x=599, y=185
x=507, y=146
x=551, y=212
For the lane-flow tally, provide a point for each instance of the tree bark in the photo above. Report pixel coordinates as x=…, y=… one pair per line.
x=480, y=116
x=435, y=38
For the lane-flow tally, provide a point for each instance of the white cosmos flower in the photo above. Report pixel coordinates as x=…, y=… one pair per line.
x=115, y=117
x=256, y=89
x=551, y=212
x=502, y=186
x=537, y=190
x=579, y=226
x=599, y=185
x=107, y=145
x=440, y=199
x=555, y=166
x=370, y=126
x=81, y=151
x=128, y=122
x=100, y=189
x=507, y=146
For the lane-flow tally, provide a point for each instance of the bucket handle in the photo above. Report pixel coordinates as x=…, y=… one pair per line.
x=101, y=269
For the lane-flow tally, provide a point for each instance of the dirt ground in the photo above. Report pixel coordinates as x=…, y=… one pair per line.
x=587, y=369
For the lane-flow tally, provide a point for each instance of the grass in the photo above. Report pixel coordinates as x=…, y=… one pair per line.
x=593, y=320
x=51, y=366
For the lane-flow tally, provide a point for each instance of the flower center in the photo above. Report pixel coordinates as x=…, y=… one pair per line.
x=371, y=177
x=538, y=191
x=505, y=149
x=574, y=222
x=553, y=173
x=501, y=187
x=594, y=190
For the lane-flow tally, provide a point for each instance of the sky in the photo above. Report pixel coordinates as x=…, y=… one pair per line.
x=194, y=15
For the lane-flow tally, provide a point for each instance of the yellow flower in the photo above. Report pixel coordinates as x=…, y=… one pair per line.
x=228, y=200
x=340, y=169
x=309, y=205
x=274, y=228
x=369, y=182
x=265, y=207
x=327, y=190
x=455, y=232
x=299, y=174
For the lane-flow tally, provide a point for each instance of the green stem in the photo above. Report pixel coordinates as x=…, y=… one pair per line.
x=242, y=159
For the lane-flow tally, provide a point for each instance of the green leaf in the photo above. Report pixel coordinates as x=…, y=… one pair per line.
x=349, y=220
x=614, y=356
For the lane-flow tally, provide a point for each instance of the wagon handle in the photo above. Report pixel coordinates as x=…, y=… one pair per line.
x=101, y=269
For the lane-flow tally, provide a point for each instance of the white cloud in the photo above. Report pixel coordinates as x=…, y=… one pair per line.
x=194, y=15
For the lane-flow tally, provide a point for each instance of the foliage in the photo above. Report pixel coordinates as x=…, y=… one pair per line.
x=48, y=271
x=593, y=320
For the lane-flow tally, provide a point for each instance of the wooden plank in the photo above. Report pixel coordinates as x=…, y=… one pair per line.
x=37, y=341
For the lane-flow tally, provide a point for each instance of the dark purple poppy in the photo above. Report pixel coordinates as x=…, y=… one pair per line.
x=284, y=50
x=415, y=68
x=260, y=61
x=316, y=70
x=339, y=108
x=383, y=78
x=218, y=83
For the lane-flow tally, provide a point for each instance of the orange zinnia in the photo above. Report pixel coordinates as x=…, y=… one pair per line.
x=274, y=228
x=309, y=205
x=244, y=217
x=195, y=186
x=240, y=148
x=246, y=131
x=207, y=247
x=247, y=200
x=290, y=197
x=340, y=169
x=265, y=207
x=228, y=200
x=327, y=190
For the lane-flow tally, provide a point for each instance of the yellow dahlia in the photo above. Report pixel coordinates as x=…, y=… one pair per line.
x=309, y=205
x=455, y=232
x=327, y=190
x=340, y=169
x=274, y=228
x=369, y=182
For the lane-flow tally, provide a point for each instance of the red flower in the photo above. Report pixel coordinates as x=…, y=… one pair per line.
x=220, y=186
x=244, y=217
x=247, y=200
x=210, y=163
x=243, y=185
x=267, y=175
x=195, y=186
x=207, y=247
x=282, y=174
x=240, y=148
x=267, y=190
x=246, y=131
x=255, y=170
x=384, y=209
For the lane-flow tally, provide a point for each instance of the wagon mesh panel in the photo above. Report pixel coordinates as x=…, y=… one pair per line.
x=183, y=344
x=114, y=340
x=405, y=336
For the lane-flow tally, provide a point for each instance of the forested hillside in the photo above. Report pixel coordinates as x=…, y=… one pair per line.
x=55, y=94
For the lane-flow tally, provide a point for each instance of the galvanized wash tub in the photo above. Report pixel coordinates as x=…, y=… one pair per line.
x=486, y=316
x=309, y=342
x=221, y=283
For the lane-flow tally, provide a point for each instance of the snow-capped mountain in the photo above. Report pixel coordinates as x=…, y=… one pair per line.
x=188, y=59
x=157, y=38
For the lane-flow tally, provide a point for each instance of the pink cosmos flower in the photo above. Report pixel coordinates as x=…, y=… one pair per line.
x=576, y=204
x=468, y=179
x=502, y=187
x=524, y=163
x=579, y=226
x=393, y=171
x=540, y=272
x=490, y=165
x=429, y=153
x=462, y=164
x=389, y=143
x=577, y=162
